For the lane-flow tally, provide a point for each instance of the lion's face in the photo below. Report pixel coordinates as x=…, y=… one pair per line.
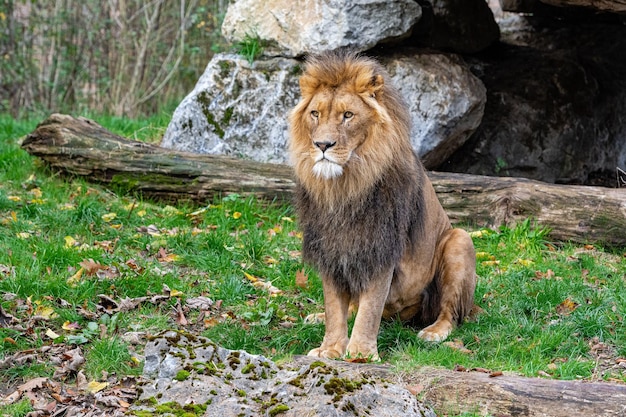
x=338, y=122
x=348, y=128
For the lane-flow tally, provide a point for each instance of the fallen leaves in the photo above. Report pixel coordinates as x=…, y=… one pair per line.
x=260, y=283
x=566, y=307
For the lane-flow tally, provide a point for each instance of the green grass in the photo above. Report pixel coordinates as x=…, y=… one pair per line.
x=543, y=305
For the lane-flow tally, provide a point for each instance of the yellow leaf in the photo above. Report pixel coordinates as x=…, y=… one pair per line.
x=95, y=386
x=14, y=216
x=36, y=192
x=268, y=260
x=109, y=217
x=170, y=257
x=70, y=327
x=485, y=255
x=141, y=213
x=476, y=234
x=236, y=215
x=14, y=198
x=287, y=219
x=525, y=262
x=73, y=280
x=23, y=235
x=70, y=242
x=52, y=335
x=490, y=263
x=251, y=278
x=45, y=312
x=135, y=360
x=175, y=293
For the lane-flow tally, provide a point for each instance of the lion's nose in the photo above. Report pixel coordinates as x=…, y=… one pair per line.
x=325, y=145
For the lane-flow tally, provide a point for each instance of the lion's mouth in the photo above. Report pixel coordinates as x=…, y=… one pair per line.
x=327, y=169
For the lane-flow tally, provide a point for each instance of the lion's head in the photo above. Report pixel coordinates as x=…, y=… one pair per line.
x=349, y=127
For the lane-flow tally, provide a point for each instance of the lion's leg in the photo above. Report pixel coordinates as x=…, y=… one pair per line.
x=457, y=275
x=364, y=338
x=336, y=318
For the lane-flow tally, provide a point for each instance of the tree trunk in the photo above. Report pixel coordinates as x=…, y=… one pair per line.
x=79, y=146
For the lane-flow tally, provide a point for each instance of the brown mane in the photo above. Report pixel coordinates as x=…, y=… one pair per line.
x=389, y=135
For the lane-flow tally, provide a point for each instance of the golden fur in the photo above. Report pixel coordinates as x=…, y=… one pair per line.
x=372, y=224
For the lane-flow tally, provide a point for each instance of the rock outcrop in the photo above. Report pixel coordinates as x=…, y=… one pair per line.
x=189, y=373
x=539, y=94
x=296, y=27
x=240, y=109
x=555, y=110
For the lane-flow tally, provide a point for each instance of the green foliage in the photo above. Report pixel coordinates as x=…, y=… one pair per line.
x=19, y=409
x=118, y=58
x=250, y=47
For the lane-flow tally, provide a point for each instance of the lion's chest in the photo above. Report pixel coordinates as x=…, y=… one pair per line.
x=357, y=241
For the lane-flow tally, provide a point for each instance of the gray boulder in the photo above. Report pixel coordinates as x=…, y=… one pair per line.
x=238, y=109
x=241, y=109
x=190, y=373
x=296, y=27
x=445, y=99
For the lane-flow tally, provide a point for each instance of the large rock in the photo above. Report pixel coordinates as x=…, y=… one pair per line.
x=296, y=27
x=240, y=109
x=461, y=26
x=190, y=373
x=445, y=99
x=555, y=107
x=237, y=109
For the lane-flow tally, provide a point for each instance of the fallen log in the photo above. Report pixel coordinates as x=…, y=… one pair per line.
x=79, y=146
x=484, y=393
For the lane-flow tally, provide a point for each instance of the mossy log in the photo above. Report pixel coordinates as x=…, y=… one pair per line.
x=80, y=146
x=483, y=393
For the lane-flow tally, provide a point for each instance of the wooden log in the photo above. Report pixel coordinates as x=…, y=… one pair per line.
x=80, y=146
x=451, y=392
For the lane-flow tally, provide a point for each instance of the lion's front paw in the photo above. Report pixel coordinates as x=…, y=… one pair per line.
x=436, y=332
x=325, y=353
x=367, y=351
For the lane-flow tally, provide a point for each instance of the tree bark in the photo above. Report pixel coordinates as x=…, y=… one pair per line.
x=480, y=392
x=79, y=146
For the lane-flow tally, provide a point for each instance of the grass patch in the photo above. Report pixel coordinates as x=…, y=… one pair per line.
x=71, y=250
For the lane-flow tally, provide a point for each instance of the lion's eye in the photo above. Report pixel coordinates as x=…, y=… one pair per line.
x=348, y=115
x=315, y=113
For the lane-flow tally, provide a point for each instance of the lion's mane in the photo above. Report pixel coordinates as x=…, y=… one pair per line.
x=359, y=224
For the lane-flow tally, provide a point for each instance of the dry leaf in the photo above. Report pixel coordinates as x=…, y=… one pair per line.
x=95, y=386
x=91, y=267
x=109, y=217
x=458, y=345
x=566, y=307
x=74, y=279
x=52, y=335
x=302, y=280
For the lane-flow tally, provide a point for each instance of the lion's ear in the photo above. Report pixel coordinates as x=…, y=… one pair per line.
x=376, y=84
x=308, y=85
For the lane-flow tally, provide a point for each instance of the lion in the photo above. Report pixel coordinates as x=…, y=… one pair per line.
x=372, y=225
